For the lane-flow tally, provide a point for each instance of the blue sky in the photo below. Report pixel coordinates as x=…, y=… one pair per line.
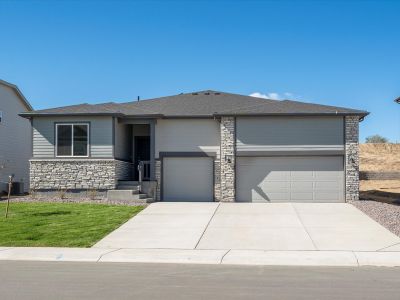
x=340, y=53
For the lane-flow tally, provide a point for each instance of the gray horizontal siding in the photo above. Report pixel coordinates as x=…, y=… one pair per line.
x=289, y=134
x=15, y=139
x=187, y=135
x=101, y=135
x=43, y=137
x=123, y=141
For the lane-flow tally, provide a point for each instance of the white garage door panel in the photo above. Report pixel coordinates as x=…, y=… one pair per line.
x=322, y=185
x=290, y=179
x=188, y=179
x=300, y=196
x=328, y=196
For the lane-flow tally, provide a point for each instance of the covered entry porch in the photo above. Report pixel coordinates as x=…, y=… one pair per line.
x=134, y=149
x=135, y=143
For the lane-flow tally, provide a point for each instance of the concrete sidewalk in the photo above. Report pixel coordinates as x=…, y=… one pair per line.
x=224, y=257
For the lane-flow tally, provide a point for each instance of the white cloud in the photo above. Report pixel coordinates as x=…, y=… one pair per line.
x=288, y=95
x=273, y=96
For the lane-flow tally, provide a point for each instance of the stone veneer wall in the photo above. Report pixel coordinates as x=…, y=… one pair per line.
x=228, y=148
x=352, y=159
x=77, y=174
x=379, y=175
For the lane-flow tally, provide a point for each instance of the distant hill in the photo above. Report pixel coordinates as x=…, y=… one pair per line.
x=380, y=157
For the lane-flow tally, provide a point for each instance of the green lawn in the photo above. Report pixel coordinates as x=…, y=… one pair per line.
x=60, y=224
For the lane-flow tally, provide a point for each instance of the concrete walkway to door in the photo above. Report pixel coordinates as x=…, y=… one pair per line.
x=251, y=226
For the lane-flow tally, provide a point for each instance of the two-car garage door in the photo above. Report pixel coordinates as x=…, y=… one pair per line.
x=258, y=179
x=290, y=179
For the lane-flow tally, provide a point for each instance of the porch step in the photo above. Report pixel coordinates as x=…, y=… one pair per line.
x=126, y=195
x=129, y=191
x=128, y=182
x=128, y=187
x=146, y=200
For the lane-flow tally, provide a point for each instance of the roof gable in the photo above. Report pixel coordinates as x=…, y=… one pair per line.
x=19, y=93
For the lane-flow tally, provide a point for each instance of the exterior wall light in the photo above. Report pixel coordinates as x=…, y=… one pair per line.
x=229, y=158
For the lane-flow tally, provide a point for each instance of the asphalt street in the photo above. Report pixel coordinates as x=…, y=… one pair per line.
x=61, y=280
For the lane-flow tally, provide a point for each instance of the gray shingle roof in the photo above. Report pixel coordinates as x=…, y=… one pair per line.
x=200, y=104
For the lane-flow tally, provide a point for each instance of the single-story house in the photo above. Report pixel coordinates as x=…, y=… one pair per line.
x=15, y=138
x=200, y=146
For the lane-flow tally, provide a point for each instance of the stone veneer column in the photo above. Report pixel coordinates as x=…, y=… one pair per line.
x=228, y=151
x=352, y=160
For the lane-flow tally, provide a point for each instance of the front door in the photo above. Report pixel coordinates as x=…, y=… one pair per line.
x=142, y=151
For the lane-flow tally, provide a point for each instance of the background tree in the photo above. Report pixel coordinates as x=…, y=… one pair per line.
x=376, y=139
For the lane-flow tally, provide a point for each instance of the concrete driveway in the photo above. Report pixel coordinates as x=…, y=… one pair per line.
x=251, y=226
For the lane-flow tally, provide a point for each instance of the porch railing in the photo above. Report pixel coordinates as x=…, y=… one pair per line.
x=144, y=170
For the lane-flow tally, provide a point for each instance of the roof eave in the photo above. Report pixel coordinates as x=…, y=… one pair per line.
x=188, y=116
x=29, y=115
x=142, y=116
x=361, y=114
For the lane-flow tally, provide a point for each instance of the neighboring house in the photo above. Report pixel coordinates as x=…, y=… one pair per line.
x=202, y=146
x=15, y=136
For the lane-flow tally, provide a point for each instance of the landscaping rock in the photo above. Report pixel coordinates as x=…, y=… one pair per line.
x=388, y=215
x=73, y=200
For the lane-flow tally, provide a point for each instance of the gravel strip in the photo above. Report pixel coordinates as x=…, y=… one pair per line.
x=388, y=215
x=28, y=199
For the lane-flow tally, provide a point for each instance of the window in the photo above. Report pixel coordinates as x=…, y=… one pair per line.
x=72, y=140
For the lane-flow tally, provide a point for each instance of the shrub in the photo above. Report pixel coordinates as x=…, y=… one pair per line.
x=62, y=193
x=92, y=193
x=376, y=139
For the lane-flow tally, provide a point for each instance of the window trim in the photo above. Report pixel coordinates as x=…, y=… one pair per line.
x=72, y=137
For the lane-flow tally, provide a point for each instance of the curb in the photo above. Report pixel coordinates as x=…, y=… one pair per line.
x=217, y=257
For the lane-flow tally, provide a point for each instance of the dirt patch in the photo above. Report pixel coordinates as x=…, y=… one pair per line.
x=380, y=157
x=380, y=190
x=390, y=186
